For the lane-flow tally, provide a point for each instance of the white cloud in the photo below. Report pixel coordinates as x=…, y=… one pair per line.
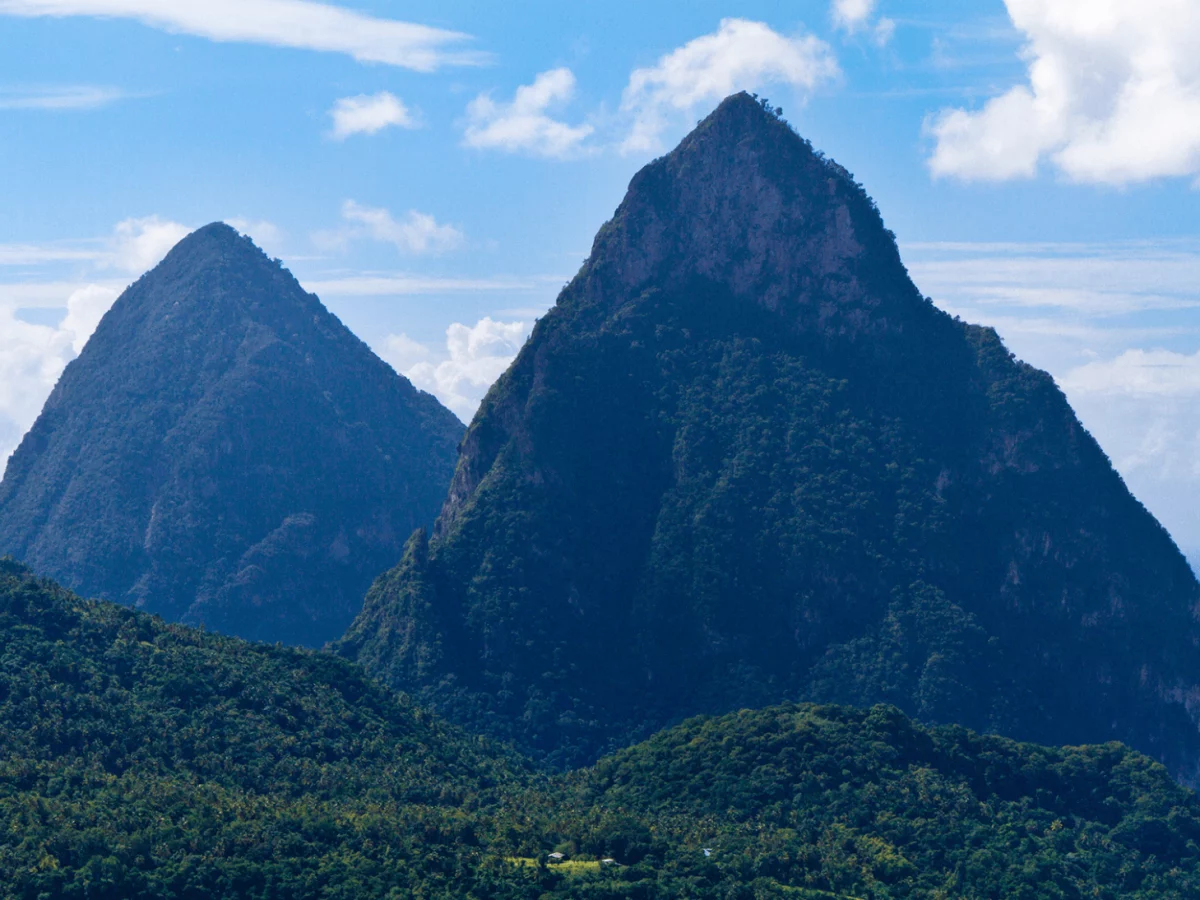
x=138, y=245
x=266, y=235
x=402, y=353
x=417, y=233
x=739, y=55
x=44, y=294
x=369, y=114
x=85, y=308
x=1113, y=97
x=135, y=245
x=60, y=98
x=854, y=16
x=1144, y=408
x=524, y=126
x=33, y=356
x=476, y=356
x=282, y=23
x=1140, y=373
x=31, y=359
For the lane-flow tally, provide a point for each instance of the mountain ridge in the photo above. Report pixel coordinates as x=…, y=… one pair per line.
x=224, y=450
x=744, y=460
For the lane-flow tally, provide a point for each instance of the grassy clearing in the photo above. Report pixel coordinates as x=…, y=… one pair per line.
x=569, y=866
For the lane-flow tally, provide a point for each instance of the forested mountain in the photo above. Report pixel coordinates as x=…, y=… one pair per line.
x=744, y=460
x=141, y=760
x=224, y=451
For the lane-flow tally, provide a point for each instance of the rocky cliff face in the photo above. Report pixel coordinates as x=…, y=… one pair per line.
x=224, y=451
x=744, y=460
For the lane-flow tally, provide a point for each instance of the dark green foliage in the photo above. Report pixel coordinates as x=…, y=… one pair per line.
x=143, y=760
x=225, y=451
x=744, y=461
x=870, y=804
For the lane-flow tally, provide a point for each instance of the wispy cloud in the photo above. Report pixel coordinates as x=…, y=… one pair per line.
x=43, y=254
x=60, y=98
x=1140, y=373
x=415, y=234
x=1097, y=280
x=369, y=114
x=401, y=284
x=855, y=16
x=525, y=125
x=133, y=246
x=283, y=23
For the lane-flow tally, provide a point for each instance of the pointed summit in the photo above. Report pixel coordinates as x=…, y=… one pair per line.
x=224, y=451
x=743, y=460
x=746, y=203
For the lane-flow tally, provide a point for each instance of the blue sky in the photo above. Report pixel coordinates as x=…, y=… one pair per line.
x=436, y=171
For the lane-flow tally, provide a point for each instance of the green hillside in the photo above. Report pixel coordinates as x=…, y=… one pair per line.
x=141, y=759
x=868, y=803
x=144, y=760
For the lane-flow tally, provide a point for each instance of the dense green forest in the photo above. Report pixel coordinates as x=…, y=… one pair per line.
x=743, y=460
x=140, y=759
x=225, y=451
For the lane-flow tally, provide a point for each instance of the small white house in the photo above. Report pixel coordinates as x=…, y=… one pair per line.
x=556, y=857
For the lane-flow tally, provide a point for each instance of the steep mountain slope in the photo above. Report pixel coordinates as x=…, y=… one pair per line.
x=146, y=761
x=743, y=460
x=225, y=451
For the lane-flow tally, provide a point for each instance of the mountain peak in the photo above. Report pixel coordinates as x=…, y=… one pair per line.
x=744, y=110
x=225, y=451
x=746, y=206
x=213, y=281
x=743, y=459
x=216, y=244
x=219, y=231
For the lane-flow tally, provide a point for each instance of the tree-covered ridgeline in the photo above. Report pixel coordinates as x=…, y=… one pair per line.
x=141, y=760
